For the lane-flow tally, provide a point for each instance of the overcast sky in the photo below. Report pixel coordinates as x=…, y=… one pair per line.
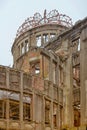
x=14, y=12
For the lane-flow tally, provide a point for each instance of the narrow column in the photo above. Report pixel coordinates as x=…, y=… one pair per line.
x=42, y=40
x=57, y=72
x=41, y=66
x=7, y=100
x=50, y=69
x=52, y=115
x=20, y=49
x=86, y=99
x=48, y=36
x=21, y=101
x=7, y=113
x=58, y=113
x=33, y=105
x=68, y=102
x=57, y=82
x=43, y=111
x=83, y=75
x=7, y=78
x=51, y=87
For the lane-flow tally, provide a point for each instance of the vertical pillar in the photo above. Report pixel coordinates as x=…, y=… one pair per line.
x=41, y=66
x=21, y=101
x=7, y=100
x=51, y=69
x=51, y=87
x=86, y=99
x=58, y=113
x=43, y=111
x=52, y=115
x=20, y=49
x=7, y=113
x=48, y=36
x=7, y=78
x=83, y=75
x=42, y=41
x=33, y=104
x=57, y=72
x=57, y=82
x=68, y=102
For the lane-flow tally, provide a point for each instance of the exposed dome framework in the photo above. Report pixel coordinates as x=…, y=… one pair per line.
x=53, y=17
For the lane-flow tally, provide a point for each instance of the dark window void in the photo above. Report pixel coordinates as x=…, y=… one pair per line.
x=27, y=107
x=47, y=112
x=19, y=51
x=2, y=109
x=26, y=111
x=76, y=45
x=26, y=46
x=14, y=109
x=76, y=76
x=76, y=117
x=22, y=48
x=55, y=115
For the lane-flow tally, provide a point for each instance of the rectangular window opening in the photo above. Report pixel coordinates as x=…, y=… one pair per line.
x=26, y=46
x=14, y=110
x=47, y=112
x=2, y=109
x=22, y=49
x=45, y=38
x=26, y=111
x=79, y=44
x=52, y=35
x=38, y=41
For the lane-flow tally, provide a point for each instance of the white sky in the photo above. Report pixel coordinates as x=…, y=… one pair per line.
x=14, y=12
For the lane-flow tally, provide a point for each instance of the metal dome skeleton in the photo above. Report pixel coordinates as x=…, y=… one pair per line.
x=53, y=17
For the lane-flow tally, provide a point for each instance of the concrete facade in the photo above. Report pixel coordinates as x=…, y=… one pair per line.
x=46, y=89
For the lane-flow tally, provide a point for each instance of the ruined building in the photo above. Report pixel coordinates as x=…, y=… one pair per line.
x=46, y=89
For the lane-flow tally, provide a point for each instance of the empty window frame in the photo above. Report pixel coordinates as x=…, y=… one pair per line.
x=55, y=114
x=76, y=76
x=26, y=111
x=19, y=51
x=76, y=45
x=46, y=67
x=27, y=108
x=76, y=117
x=38, y=41
x=45, y=38
x=22, y=48
x=79, y=44
x=26, y=46
x=61, y=116
x=14, y=109
x=52, y=35
x=76, y=72
x=35, y=68
x=2, y=109
x=47, y=112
